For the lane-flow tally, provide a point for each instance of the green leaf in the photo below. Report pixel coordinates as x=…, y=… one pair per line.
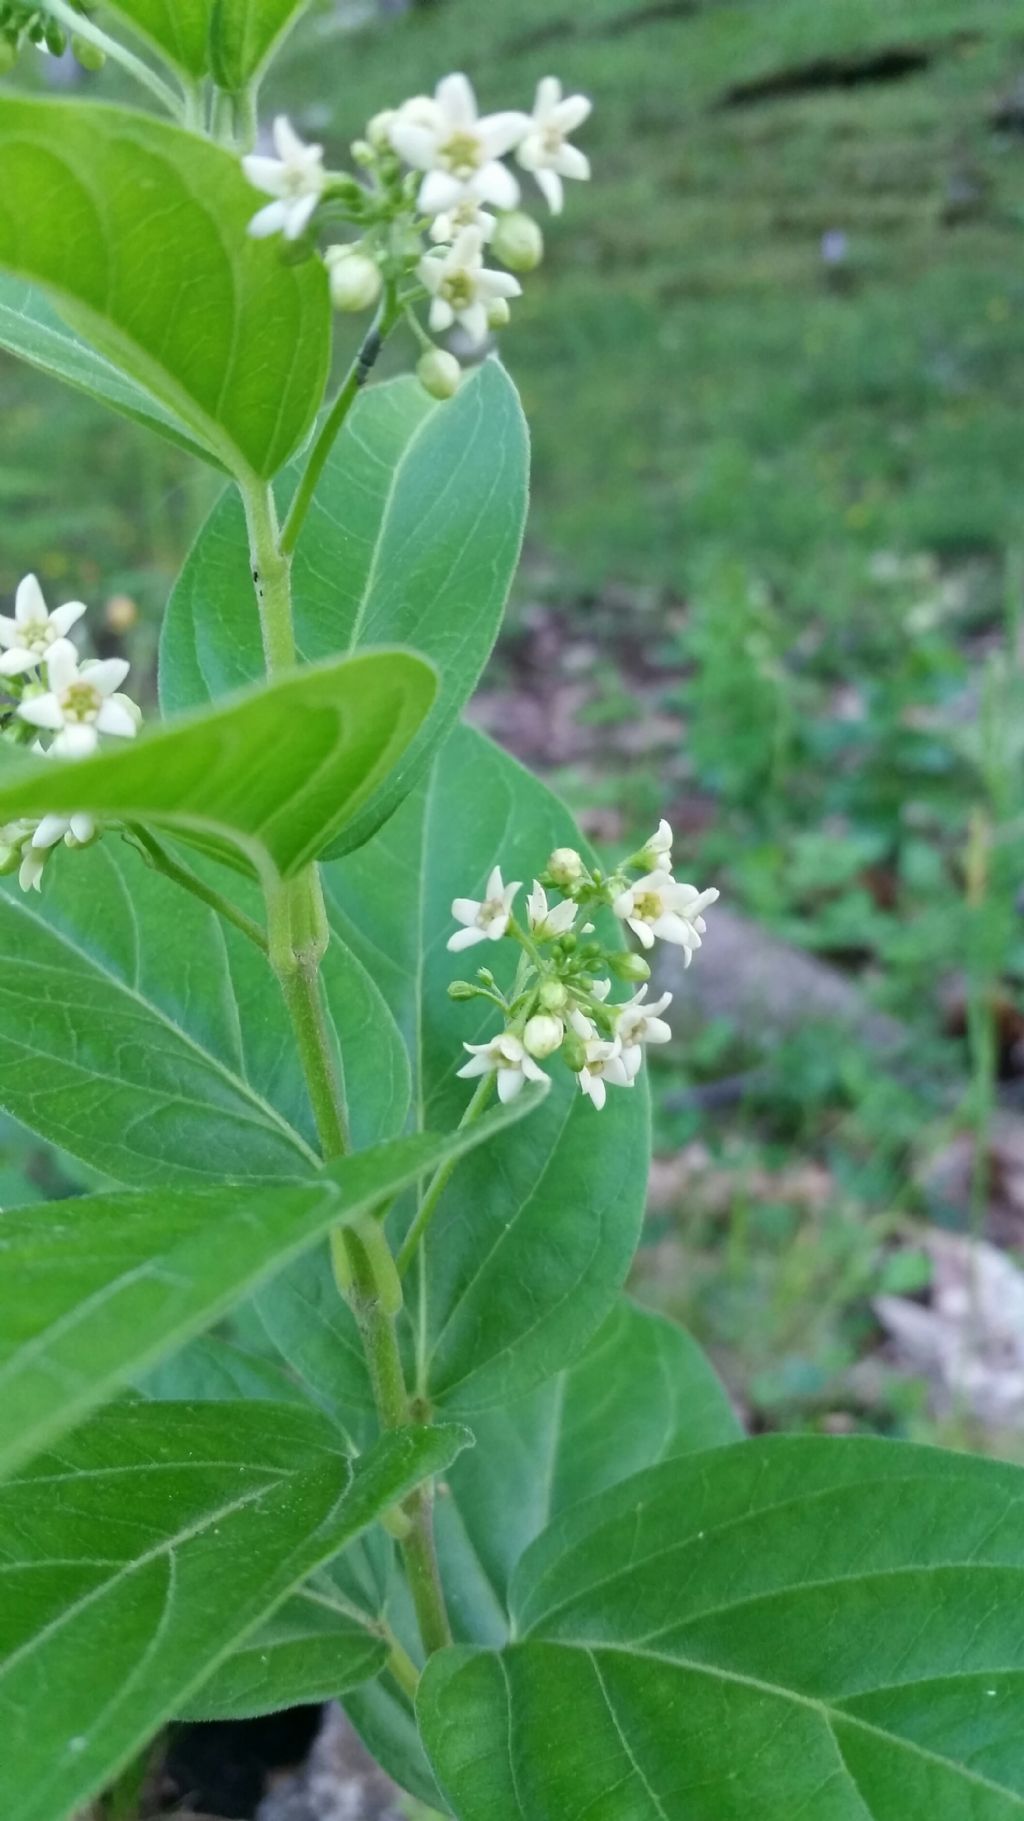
x=31, y=329
x=413, y=539
x=144, y=1036
x=178, y=29
x=532, y=1239
x=139, y=231
x=96, y=1289
x=274, y=773
x=245, y=35
x=795, y=1626
x=150, y=1547
x=309, y=1650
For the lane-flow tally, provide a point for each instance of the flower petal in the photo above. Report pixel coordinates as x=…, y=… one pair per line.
x=495, y=183
x=499, y=284
x=266, y=174
x=465, y=938
x=51, y=830
x=500, y=133
x=510, y=1083
x=550, y=185
x=76, y=741
x=569, y=161
x=63, y=618
x=299, y=214
x=42, y=711
x=572, y=112
x=454, y=95
x=439, y=191
x=14, y=663
x=548, y=97
x=270, y=220
x=29, y=605
x=105, y=674
x=114, y=718
x=465, y=910
x=474, y=320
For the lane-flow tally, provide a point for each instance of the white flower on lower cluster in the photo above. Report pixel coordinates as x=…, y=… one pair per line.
x=33, y=632
x=485, y=919
x=547, y=923
x=462, y=287
x=458, y=150
x=80, y=704
x=658, y=906
x=447, y=226
x=506, y=1056
x=637, y=1024
x=603, y=1061
x=295, y=178
x=544, y=149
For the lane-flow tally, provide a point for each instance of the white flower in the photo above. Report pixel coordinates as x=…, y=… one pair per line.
x=637, y=1023
x=603, y=1062
x=544, y=148
x=486, y=919
x=659, y=906
x=544, y=923
x=75, y=831
x=656, y=854
x=462, y=287
x=296, y=178
x=507, y=1056
x=544, y=1034
x=447, y=226
x=354, y=278
x=30, y=873
x=458, y=150
x=565, y=866
x=80, y=703
x=33, y=632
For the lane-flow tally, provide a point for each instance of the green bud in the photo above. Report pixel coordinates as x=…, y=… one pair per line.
x=574, y=1052
x=10, y=859
x=55, y=38
x=363, y=152
x=463, y=989
x=567, y=943
x=498, y=313
x=591, y=950
x=518, y=242
x=553, y=996
x=484, y=974
x=627, y=966
x=439, y=373
x=8, y=55
x=87, y=54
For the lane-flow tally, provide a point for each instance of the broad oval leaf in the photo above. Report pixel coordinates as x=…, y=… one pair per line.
x=245, y=35
x=97, y=1288
x=178, y=29
x=138, y=230
x=31, y=329
x=144, y=1036
x=134, y=1561
x=412, y=539
x=530, y=1242
x=310, y=1650
x=789, y=1626
x=274, y=773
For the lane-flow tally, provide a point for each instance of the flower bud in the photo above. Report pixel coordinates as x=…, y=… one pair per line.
x=565, y=867
x=518, y=242
x=463, y=989
x=439, y=373
x=553, y=996
x=363, y=152
x=354, y=278
x=574, y=1052
x=627, y=966
x=378, y=129
x=498, y=313
x=88, y=55
x=10, y=859
x=55, y=38
x=543, y=1035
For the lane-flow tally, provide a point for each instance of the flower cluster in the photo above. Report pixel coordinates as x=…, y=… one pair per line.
x=560, y=999
x=51, y=692
x=435, y=202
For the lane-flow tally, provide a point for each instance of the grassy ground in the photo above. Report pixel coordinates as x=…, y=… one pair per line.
x=776, y=522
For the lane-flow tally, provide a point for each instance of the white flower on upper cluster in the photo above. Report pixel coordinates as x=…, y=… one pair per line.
x=507, y=1056
x=459, y=151
x=603, y=1061
x=33, y=632
x=80, y=704
x=295, y=178
x=447, y=226
x=656, y=854
x=658, y=906
x=544, y=149
x=485, y=919
x=462, y=287
x=546, y=923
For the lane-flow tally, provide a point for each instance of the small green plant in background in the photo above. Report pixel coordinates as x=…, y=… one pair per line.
x=327, y=1388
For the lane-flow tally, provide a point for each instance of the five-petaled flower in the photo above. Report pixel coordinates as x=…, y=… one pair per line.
x=603, y=1062
x=485, y=919
x=506, y=1056
x=80, y=704
x=637, y=1023
x=33, y=633
x=295, y=178
x=658, y=906
x=459, y=151
x=544, y=149
x=462, y=287
x=547, y=922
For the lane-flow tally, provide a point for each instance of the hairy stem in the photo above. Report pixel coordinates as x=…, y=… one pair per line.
x=354, y=380
x=80, y=26
x=439, y=1181
x=164, y=862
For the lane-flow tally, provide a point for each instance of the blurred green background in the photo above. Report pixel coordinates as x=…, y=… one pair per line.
x=774, y=369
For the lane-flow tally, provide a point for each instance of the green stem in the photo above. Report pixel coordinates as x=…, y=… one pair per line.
x=354, y=380
x=246, y=122
x=424, y=1575
x=403, y=1669
x=439, y=1181
x=80, y=26
x=299, y=978
x=164, y=862
x=224, y=118
x=271, y=575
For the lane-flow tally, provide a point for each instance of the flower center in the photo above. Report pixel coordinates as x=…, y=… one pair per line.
x=461, y=154
x=552, y=139
x=648, y=907
x=459, y=288
x=490, y=911
x=39, y=638
x=81, y=701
